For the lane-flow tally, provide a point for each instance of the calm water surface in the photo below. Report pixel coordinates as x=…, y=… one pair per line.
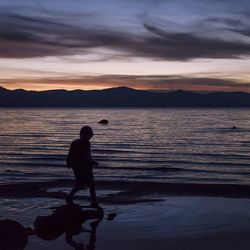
x=164, y=145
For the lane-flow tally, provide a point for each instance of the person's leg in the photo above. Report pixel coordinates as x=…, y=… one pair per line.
x=69, y=197
x=92, y=191
x=93, y=195
x=76, y=188
x=73, y=191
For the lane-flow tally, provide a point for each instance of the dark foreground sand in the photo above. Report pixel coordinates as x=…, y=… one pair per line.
x=145, y=220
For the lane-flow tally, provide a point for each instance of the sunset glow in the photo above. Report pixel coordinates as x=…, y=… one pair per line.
x=192, y=45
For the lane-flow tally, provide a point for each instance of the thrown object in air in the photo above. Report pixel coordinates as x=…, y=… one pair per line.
x=103, y=122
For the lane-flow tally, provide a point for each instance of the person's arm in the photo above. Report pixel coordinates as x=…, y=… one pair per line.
x=69, y=160
x=93, y=162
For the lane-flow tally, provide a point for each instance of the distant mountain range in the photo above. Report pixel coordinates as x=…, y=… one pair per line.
x=120, y=97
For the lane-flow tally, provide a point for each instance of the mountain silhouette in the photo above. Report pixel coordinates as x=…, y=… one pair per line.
x=121, y=97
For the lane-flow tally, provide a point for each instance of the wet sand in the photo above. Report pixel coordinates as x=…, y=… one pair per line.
x=145, y=220
x=129, y=191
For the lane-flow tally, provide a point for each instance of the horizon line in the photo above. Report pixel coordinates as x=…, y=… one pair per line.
x=125, y=87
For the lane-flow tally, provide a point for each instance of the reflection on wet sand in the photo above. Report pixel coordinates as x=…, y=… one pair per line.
x=68, y=219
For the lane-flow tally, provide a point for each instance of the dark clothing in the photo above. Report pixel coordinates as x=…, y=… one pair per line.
x=83, y=179
x=80, y=160
x=79, y=154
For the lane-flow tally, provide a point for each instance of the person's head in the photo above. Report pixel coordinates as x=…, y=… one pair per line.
x=86, y=133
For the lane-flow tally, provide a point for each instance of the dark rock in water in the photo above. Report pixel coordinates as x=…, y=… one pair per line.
x=233, y=127
x=12, y=235
x=111, y=216
x=104, y=122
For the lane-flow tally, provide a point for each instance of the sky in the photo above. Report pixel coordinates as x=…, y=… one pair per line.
x=197, y=45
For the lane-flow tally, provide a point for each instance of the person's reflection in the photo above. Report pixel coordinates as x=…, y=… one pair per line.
x=92, y=238
x=68, y=219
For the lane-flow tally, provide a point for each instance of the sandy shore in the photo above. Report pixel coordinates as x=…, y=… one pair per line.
x=145, y=220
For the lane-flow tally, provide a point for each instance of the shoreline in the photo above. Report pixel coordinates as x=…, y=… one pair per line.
x=127, y=189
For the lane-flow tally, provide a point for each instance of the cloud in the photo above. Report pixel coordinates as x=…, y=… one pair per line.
x=234, y=25
x=27, y=36
x=186, y=46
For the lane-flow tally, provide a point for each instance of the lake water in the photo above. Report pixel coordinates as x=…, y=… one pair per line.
x=163, y=145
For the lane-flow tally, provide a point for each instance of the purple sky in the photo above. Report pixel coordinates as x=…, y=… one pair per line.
x=181, y=44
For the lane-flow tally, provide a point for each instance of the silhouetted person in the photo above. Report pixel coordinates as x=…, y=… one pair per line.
x=80, y=160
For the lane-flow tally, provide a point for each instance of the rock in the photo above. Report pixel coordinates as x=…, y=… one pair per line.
x=48, y=227
x=111, y=216
x=12, y=235
x=103, y=122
